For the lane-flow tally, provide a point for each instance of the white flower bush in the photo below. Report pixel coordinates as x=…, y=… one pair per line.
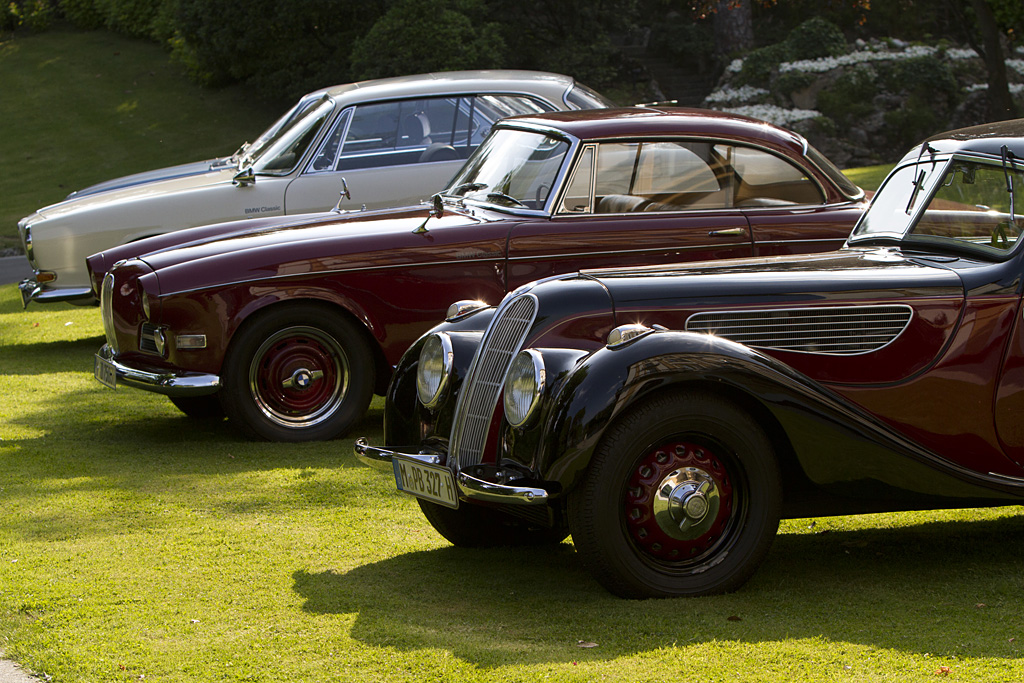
x=828, y=63
x=747, y=96
x=773, y=114
x=730, y=94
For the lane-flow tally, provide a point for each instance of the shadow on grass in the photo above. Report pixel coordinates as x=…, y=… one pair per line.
x=40, y=358
x=945, y=588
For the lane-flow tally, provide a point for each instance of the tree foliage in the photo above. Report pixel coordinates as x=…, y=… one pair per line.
x=417, y=36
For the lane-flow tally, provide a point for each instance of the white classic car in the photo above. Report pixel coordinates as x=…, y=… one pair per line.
x=382, y=143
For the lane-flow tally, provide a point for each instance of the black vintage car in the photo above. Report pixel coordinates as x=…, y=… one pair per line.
x=668, y=417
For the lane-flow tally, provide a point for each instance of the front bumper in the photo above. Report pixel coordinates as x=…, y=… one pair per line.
x=158, y=380
x=470, y=488
x=33, y=291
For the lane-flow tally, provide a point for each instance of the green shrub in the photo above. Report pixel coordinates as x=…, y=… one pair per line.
x=791, y=81
x=759, y=64
x=849, y=99
x=36, y=15
x=82, y=13
x=416, y=36
x=10, y=17
x=816, y=38
x=281, y=48
x=129, y=17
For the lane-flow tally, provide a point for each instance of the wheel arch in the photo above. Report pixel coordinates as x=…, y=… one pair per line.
x=674, y=363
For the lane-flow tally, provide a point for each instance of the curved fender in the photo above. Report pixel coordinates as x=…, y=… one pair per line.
x=839, y=446
x=406, y=421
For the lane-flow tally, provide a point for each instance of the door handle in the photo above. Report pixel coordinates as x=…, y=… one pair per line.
x=729, y=232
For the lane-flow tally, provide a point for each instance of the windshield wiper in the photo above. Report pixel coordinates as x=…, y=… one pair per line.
x=505, y=197
x=462, y=189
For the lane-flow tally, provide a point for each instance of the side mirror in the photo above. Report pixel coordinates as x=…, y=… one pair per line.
x=244, y=177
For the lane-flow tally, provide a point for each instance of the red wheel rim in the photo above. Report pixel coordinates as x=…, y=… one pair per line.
x=670, y=479
x=299, y=376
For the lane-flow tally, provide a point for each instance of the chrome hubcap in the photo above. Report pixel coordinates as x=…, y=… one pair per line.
x=686, y=503
x=302, y=379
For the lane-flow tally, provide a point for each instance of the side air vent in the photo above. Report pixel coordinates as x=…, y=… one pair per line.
x=479, y=396
x=838, y=330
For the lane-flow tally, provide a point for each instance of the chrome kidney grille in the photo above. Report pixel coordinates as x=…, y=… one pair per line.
x=107, y=310
x=836, y=330
x=479, y=396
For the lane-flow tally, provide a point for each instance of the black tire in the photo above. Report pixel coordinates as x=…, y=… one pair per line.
x=199, y=407
x=473, y=526
x=712, y=533
x=298, y=372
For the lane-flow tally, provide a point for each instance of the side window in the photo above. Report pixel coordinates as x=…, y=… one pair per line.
x=487, y=110
x=763, y=179
x=327, y=156
x=578, y=193
x=660, y=176
x=417, y=131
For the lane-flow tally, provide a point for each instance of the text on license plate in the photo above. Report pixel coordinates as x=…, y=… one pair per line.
x=103, y=370
x=430, y=482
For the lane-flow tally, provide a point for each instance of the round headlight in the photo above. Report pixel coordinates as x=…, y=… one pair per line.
x=524, y=384
x=435, y=366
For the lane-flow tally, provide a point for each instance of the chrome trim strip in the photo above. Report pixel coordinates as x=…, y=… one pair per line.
x=477, y=489
x=33, y=291
x=162, y=382
x=470, y=488
x=380, y=458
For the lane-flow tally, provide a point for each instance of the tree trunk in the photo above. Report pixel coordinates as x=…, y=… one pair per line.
x=734, y=27
x=1000, y=103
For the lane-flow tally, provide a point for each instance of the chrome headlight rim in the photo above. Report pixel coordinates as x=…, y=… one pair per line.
x=527, y=365
x=431, y=390
x=144, y=300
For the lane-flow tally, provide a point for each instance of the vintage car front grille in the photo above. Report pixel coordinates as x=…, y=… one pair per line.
x=837, y=330
x=107, y=310
x=147, y=339
x=479, y=396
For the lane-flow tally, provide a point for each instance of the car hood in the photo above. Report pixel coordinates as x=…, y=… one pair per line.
x=848, y=274
x=320, y=244
x=138, y=191
x=179, y=171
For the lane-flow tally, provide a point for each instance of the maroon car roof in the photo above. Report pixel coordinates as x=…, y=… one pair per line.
x=649, y=121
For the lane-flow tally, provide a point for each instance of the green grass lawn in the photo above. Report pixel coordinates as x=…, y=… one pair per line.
x=79, y=108
x=136, y=542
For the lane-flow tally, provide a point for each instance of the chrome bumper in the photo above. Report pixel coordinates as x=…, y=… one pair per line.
x=33, y=291
x=470, y=488
x=178, y=384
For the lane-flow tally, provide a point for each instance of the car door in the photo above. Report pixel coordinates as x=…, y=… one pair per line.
x=634, y=203
x=783, y=204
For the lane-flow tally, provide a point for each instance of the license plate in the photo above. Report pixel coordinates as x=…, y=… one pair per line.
x=103, y=370
x=429, y=482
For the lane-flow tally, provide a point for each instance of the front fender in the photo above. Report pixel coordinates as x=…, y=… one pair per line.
x=406, y=420
x=838, y=446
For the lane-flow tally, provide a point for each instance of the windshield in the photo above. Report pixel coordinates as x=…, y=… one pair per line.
x=279, y=153
x=512, y=168
x=259, y=144
x=963, y=204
